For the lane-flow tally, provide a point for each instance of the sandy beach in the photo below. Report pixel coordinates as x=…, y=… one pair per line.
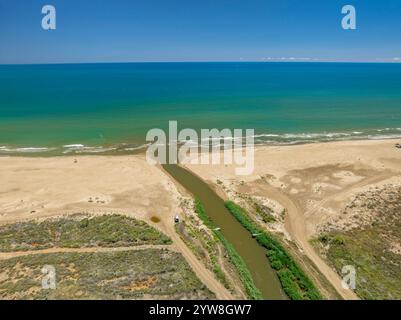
x=313, y=182
x=311, y=173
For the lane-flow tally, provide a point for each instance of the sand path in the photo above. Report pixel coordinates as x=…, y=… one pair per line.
x=351, y=189
x=9, y=255
x=206, y=276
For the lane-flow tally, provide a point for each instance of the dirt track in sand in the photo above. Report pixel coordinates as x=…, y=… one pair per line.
x=14, y=254
x=295, y=225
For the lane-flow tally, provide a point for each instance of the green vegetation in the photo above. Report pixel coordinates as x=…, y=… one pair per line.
x=294, y=281
x=79, y=231
x=204, y=247
x=243, y=272
x=377, y=267
x=130, y=274
x=372, y=245
x=267, y=218
x=335, y=239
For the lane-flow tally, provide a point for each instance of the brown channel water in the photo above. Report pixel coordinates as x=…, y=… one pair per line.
x=247, y=247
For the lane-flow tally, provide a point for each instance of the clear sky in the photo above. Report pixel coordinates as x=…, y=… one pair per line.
x=198, y=30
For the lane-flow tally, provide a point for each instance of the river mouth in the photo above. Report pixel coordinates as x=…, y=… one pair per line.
x=247, y=247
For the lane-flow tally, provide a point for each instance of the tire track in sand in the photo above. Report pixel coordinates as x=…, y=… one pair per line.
x=295, y=225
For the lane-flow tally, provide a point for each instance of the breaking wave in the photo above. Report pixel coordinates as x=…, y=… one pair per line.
x=259, y=139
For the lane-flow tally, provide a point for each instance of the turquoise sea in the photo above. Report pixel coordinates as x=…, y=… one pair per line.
x=96, y=108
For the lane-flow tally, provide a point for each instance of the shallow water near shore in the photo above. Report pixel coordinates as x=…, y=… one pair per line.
x=108, y=108
x=251, y=252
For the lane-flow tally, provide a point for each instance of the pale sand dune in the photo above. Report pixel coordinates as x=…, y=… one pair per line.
x=44, y=187
x=279, y=160
x=313, y=182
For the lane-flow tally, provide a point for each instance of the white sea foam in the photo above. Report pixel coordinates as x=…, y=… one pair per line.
x=266, y=135
x=388, y=129
x=25, y=149
x=143, y=146
x=389, y=136
x=260, y=139
x=97, y=149
x=75, y=146
x=80, y=148
x=315, y=135
x=221, y=138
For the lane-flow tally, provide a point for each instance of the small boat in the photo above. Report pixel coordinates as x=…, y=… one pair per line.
x=398, y=146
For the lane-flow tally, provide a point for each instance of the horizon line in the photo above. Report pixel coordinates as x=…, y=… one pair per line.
x=280, y=60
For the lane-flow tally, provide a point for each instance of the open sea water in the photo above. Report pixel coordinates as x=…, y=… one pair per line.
x=103, y=108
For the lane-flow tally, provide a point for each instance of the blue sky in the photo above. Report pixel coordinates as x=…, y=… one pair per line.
x=198, y=30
